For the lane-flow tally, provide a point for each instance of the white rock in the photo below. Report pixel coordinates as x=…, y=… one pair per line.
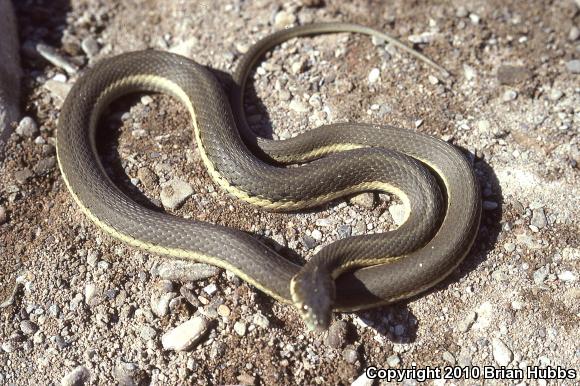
x=284, y=19
x=240, y=328
x=374, y=75
x=181, y=270
x=474, y=18
x=90, y=292
x=175, y=192
x=556, y=94
x=423, y=38
x=160, y=303
x=184, y=336
x=210, y=289
x=398, y=213
x=363, y=380
x=509, y=95
x=298, y=106
x=433, y=80
x=501, y=353
x=567, y=276
x=27, y=127
x=79, y=376
x=393, y=360
x=485, y=314
x=469, y=71
x=58, y=89
x=185, y=48
x=317, y=235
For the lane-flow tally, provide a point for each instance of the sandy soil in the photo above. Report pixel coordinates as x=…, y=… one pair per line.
x=83, y=307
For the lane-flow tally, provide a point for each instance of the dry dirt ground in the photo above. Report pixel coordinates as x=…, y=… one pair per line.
x=87, y=308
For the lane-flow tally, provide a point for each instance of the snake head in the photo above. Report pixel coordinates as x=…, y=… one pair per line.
x=313, y=294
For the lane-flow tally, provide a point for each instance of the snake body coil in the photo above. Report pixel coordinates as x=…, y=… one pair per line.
x=350, y=274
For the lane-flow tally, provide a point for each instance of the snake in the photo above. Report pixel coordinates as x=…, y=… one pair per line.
x=434, y=181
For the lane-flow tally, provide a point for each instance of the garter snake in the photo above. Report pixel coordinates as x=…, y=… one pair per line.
x=336, y=160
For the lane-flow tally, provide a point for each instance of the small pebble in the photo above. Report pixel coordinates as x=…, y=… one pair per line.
x=539, y=218
x=240, y=328
x=567, y=276
x=309, y=242
x=223, y=310
x=160, y=303
x=469, y=71
x=77, y=377
x=364, y=200
x=574, y=33
x=398, y=213
x=180, y=270
x=147, y=333
x=27, y=127
x=296, y=105
x=58, y=89
x=474, y=18
x=284, y=19
x=44, y=166
x=448, y=357
x=90, y=292
x=509, y=95
x=467, y=322
x=261, y=320
x=422, y=38
x=350, y=355
x=27, y=327
x=556, y=94
x=186, y=335
x=3, y=215
x=175, y=192
x=363, y=380
x=573, y=66
x=210, y=289
x=337, y=334
x=344, y=231
x=540, y=275
x=461, y=11
x=433, y=80
x=53, y=56
x=374, y=75
x=317, y=235
x=146, y=99
x=90, y=46
x=21, y=176
x=509, y=247
x=92, y=258
x=393, y=360
x=501, y=353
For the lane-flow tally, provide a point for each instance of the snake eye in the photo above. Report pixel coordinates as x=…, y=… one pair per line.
x=305, y=307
